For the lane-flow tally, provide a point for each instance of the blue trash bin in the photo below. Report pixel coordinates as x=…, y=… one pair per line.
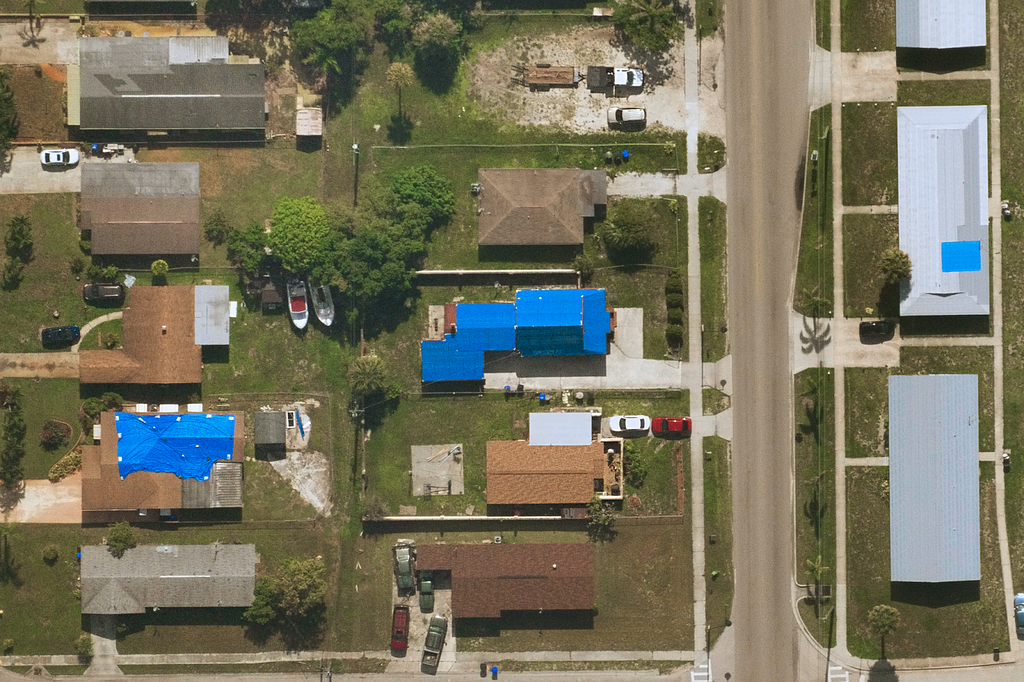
x=625, y=155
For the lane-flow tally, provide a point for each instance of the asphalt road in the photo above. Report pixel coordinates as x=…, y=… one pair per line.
x=766, y=99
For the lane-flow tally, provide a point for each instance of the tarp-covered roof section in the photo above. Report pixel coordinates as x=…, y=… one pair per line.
x=933, y=470
x=943, y=209
x=559, y=322
x=185, y=445
x=940, y=24
x=486, y=326
x=175, y=83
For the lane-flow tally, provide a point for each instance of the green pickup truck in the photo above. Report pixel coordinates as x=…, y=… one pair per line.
x=432, y=647
x=426, y=591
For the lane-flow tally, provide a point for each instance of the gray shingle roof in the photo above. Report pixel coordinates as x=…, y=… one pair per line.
x=933, y=469
x=943, y=197
x=940, y=23
x=270, y=428
x=146, y=84
x=183, y=576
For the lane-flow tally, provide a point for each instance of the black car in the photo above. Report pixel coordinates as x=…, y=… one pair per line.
x=103, y=293
x=61, y=336
x=876, y=331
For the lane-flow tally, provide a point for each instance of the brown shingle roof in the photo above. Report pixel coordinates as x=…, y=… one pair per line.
x=489, y=579
x=520, y=473
x=150, y=354
x=529, y=206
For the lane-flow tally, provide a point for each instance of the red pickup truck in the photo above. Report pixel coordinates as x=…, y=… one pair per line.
x=400, y=628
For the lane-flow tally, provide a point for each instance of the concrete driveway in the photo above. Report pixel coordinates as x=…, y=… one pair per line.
x=26, y=175
x=53, y=42
x=45, y=502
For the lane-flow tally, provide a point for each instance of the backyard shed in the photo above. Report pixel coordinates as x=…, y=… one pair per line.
x=270, y=430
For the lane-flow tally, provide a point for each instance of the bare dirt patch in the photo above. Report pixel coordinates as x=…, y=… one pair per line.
x=39, y=98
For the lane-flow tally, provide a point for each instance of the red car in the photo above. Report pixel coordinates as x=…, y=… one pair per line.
x=400, y=628
x=672, y=426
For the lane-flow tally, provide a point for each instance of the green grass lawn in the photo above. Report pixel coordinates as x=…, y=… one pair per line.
x=869, y=154
x=268, y=496
x=44, y=399
x=936, y=621
x=868, y=26
x=351, y=666
x=823, y=23
x=815, y=286
x=814, y=405
x=943, y=93
x=867, y=411
x=715, y=401
x=717, y=526
x=709, y=17
x=865, y=238
x=659, y=493
x=94, y=340
x=710, y=153
x=714, y=281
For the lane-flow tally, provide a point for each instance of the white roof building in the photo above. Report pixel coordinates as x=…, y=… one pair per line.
x=940, y=24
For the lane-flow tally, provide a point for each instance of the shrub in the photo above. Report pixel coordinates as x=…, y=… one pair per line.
x=54, y=434
x=67, y=465
x=584, y=265
x=11, y=272
x=93, y=272
x=85, y=245
x=51, y=554
x=217, y=228
x=120, y=538
x=675, y=301
x=675, y=316
x=83, y=645
x=159, y=268
x=111, y=340
x=374, y=508
x=674, y=335
x=674, y=283
x=77, y=266
x=628, y=238
x=111, y=273
x=896, y=266
x=637, y=465
x=8, y=646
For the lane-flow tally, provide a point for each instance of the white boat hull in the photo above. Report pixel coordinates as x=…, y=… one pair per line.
x=298, y=305
x=323, y=305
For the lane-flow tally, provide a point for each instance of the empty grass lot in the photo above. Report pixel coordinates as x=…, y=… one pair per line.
x=868, y=26
x=814, y=275
x=100, y=334
x=41, y=400
x=869, y=154
x=814, y=406
x=714, y=280
x=956, y=619
x=36, y=92
x=867, y=394
x=865, y=238
x=718, y=526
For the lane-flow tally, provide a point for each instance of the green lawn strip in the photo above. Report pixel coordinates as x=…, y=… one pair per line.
x=350, y=666
x=714, y=268
x=715, y=402
x=1013, y=380
x=869, y=154
x=41, y=400
x=94, y=340
x=823, y=23
x=868, y=26
x=865, y=238
x=511, y=666
x=42, y=610
x=61, y=669
x=943, y=93
x=709, y=17
x=814, y=275
x=934, y=625
x=815, y=469
x=1011, y=108
x=710, y=153
x=643, y=601
x=867, y=411
x=659, y=493
x=717, y=527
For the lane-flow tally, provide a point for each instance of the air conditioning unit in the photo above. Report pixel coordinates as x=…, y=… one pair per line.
x=497, y=539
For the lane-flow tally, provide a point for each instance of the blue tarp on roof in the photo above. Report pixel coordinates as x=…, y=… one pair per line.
x=597, y=322
x=446, y=361
x=485, y=326
x=961, y=256
x=185, y=445
x=557, y=322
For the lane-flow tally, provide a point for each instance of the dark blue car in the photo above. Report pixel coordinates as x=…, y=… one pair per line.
x=1018, y=611
x=61, y=336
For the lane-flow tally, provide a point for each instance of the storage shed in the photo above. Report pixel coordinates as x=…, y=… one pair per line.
x=270, y=434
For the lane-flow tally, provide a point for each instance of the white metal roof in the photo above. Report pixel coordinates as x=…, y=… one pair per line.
x=561, y=428
x=943, y=197
x=213, y=325
x=940, y=23
x=933, y=478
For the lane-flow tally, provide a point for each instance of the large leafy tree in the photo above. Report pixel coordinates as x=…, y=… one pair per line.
x=294, y=593
x=299, y=234
x=651, y=24
x=438, y=41
x=425, y=187
x=246, y=248
x=329, y=37
x=120, y=538
x=896, y=266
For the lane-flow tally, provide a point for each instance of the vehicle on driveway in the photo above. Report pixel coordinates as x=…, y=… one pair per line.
x=436, y=633
x=623, y=117
x=59, y=157
x=1018, y=612
x=403, y=568
x=603, y=77
x=426, y=591
x=103, y=293
x=876, y=331
x=634, y=422
x=400, y=628
x=672, y=427
x=61, y=336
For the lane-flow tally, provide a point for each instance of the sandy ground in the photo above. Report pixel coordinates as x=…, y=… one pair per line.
x=54, y=42
x=45, y=502
x=44, y=365
x=310, y=474
x=712, y=86
x=578, y=110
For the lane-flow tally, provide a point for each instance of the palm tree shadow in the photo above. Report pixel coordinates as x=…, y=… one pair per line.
x=400, y=129
x=882, y=671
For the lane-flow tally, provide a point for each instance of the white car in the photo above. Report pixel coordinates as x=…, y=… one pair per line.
x=59, y=157
x=633, y=422
x=626, y=115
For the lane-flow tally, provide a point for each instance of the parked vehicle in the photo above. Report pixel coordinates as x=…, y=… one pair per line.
x=1018, y=612
x=61, y=336
x=601, y=77
x=635, y=422
x=403, y=568
x=876, y=331
x=668, y=427
x=621, y=117
x=103, y=293
x=59, y=157
x=400, y=628
x=426, y=591
x=323, y=304
x=297, y=303
x=436, y=634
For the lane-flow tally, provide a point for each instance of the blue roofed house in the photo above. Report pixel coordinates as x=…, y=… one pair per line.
x=943, y=209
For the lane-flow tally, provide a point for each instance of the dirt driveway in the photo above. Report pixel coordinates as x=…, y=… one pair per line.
x=45, y=502
x=53, y=42
x=42, y=365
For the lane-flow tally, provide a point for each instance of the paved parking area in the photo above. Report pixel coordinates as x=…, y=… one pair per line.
x=45, y=502
x=26, y=175
x=53, y=42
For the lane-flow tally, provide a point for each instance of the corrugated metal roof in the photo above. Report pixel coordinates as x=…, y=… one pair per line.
x=561, y=428
x=74, y=95
x=197, y=49
x=933, y=469
x=940, y=23
x=943, y=197
x=213, y=324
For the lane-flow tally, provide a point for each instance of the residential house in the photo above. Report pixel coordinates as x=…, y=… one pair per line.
x=941, y=24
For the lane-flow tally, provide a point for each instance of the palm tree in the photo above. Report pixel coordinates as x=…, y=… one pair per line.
x=399, y=75
x=816, y=570
x=884, y=620
x=657, y=16
x=368, y=375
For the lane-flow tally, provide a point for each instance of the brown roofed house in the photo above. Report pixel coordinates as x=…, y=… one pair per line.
x=147, y=209
x=520, y=473
x=537, y=206
x=490, y=579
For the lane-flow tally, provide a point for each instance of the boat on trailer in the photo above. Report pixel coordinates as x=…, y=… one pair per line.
x=297, y=304
x=323, y=304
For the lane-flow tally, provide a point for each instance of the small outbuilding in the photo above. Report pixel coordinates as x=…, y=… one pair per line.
x=309, y=123
x=270, y=435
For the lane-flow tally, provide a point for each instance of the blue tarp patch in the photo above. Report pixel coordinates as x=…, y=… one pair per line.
x=485, y=326
x=961, y=256
x=185, y=445
x=445, y=361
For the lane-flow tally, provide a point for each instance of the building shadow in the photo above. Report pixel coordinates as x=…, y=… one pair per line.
x=936, y=595
x=945, y=325
x=525, y=620
x=940, y=61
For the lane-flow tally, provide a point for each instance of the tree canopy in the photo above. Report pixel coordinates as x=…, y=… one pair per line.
x=423, y=186
x=334, y=30
x=295, y=592
x=299, y=232
x=8, y=112
x=120, y=537
x=896, y=266
x=651, y=24
x=246, y=247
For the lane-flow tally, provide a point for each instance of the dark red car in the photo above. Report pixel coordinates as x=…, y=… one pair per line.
x=400, y=628
x=669, y=427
